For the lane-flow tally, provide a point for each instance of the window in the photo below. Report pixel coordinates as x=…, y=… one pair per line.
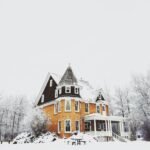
x=76, y=90
x=56, y=93
x=51, y=83
x=55, y=108
x=87, y=126
x=59, y=106
x=42, y=99
x=68, y=89
x=97, y=108
x=67, y=126
x=67, y=105
x=77, y=125
x=76, y=105
x=86, y=107
x=104, y=108
x=60, y=91
x=59, y=126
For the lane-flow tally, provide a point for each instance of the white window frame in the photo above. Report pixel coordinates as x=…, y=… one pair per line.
x=78, y=125
x=59, y=126
x=51, y=83
x=75, y=107
x=88, y=107
x=55, y=106
x=76, y=90
x=59, y=106
x=56, y=93
x=66, y=104
x=42, y=98
x=104, y=106
x=67, y=89
x=65, y=126
x=60, y=91
x=99, y=108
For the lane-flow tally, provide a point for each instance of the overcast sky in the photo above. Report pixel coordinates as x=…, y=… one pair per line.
x=105, y=41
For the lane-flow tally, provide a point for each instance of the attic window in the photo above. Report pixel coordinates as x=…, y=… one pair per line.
x=98, y=109
x=42, y=99
x=104, y=107
x=51, y=83
x=76, y=90
x=68, y=89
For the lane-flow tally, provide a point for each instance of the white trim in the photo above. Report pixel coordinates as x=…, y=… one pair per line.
x=98, y=116
x=78, y=106
x=66, y=103
x=59, y=106
x=55, y=107
x=42, y=89
x=42, y=98
x=65, y=126
x=68, y=88
x=51, y=83
x=56, y=93
x=59, y=91
x=99, y=108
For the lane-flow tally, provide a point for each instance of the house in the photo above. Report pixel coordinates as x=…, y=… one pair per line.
x=70, y=112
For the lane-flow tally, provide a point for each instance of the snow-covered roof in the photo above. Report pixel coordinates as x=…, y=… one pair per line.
x=68, y=78
x=97, y=116
x=87, y=92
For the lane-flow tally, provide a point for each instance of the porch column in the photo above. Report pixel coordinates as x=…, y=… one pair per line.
x=110, y=126
x=120, y=123
x=90, y=125
x=94, y=126
x=106, y=125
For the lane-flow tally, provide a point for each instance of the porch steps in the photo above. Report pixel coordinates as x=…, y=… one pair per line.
x=118, y=138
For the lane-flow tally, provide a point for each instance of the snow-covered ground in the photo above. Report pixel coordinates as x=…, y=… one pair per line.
x=51, y=141
x=59, y=145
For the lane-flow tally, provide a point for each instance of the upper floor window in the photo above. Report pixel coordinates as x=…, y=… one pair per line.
x=59, y=106
x=59, y=126
x=86, y=107
x=77, y=125
x=76, y=105
x=55, y=108
x=104, y=107
x=67, y=126
x=56, y=93
x=76, y=90
x=97, y=108
x=51, y=83
x=42, y=98
x=67, y=89
x=60, y=91
x=67, y=105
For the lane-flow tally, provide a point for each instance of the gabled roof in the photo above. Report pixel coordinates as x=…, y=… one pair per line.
x=68, y=78
x=54, y=77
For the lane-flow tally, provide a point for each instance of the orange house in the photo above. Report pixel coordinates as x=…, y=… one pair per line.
x=71, y=112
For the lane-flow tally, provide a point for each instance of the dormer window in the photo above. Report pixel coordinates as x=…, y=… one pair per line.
x=104, y=107
x=60, y=91
x=67, y=89
x=51, y=83
x=42, y=99
x=98, y=108
x=76, y=90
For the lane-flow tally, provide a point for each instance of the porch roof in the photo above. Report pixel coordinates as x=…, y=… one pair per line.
x=97, y=116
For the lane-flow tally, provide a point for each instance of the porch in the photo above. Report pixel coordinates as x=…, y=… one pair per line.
x=105, y=126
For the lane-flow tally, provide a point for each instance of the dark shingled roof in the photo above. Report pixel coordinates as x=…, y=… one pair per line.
x=68, y=77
